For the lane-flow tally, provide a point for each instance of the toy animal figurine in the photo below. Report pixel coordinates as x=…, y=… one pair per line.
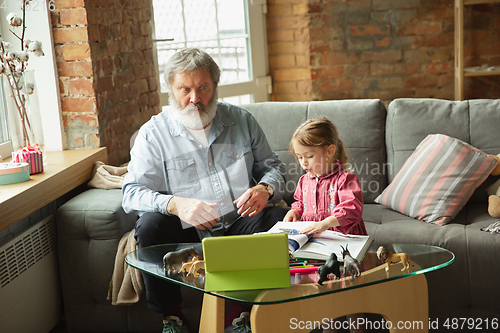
x=187, y=265
x=388, y=257
x=177, y=258
x=195, y=267
x=330, y=266
x=350, y=264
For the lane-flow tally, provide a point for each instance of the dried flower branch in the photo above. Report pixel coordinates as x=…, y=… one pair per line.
x=14, y=63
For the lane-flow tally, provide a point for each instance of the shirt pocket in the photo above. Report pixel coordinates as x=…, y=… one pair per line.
x=183, y=177
x=236, y=153
x=238, y=164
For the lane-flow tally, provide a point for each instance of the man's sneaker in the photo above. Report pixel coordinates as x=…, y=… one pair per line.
x=240, y=324
x=173, y=324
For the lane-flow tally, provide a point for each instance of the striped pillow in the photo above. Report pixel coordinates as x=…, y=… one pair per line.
x=437, y=179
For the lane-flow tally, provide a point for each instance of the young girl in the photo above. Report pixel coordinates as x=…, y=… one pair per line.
x=328, y=193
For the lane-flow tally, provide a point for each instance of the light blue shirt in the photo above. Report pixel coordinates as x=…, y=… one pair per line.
x=167, y=161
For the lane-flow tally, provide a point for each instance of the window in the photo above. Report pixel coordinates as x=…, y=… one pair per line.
x=4, y=134
x=5, y=146
x=39, y=28
x=231, y=31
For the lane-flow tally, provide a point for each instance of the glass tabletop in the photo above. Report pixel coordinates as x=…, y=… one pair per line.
x=424, y=258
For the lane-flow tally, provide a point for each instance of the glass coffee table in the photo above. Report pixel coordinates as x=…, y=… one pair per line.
x=399, y=295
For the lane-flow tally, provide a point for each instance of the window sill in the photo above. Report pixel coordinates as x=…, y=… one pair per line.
x=65, y=170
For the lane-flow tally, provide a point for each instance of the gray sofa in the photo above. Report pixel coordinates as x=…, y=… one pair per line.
x=91, y=224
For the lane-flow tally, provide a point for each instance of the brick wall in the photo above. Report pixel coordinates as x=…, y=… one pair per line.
x=339, y=49
x=288, y=36
x=106, y=69
x=318, y=50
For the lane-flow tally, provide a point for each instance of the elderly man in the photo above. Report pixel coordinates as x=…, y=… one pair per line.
x=198, y=169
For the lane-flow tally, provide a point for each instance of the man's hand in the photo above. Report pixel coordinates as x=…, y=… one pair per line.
x=199, y=214
x=253, y=201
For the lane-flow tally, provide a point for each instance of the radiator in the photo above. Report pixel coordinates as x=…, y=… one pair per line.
x=30, y=296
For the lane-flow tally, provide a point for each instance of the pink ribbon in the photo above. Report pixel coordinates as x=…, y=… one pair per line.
x=22, y=155
x=35, y=147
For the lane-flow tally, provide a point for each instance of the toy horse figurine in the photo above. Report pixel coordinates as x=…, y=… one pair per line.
x=195, y=267
x=187, y=265
x=330, y=266
x=350, y=264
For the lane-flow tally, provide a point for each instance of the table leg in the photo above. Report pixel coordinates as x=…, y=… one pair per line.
x=402, y=302
x=212, y=314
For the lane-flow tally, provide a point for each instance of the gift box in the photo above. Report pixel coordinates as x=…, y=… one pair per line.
x=11, y=173
x=31, y=155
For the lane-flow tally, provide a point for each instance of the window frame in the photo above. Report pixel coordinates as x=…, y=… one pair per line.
x=46, y=76
x=260, y=85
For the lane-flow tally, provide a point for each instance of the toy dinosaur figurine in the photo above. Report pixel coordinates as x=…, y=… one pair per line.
x=177, y=258
x=388, y=257
x=330, y=266
x=350, y=264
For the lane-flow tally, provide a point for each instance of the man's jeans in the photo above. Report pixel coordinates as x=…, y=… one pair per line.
x=156, y=228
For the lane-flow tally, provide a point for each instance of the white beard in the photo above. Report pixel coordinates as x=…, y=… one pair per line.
x=198, y=120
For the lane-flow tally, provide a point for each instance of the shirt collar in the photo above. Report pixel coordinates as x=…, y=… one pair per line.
x=222, y=118
x=337, y=167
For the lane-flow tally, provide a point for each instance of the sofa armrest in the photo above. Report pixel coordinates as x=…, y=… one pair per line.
x=89, y=228
x=94, y=214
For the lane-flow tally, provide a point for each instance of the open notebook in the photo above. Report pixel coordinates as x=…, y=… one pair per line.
x=246, y=262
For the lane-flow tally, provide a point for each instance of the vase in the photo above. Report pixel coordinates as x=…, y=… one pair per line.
x=24, y=119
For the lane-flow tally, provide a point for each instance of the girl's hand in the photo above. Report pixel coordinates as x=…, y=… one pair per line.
x=293, y=215
x=320, y=226
x=316, y=227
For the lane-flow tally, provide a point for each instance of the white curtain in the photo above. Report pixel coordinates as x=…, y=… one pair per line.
x=33, y=110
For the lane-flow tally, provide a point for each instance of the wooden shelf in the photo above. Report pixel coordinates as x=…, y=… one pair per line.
x=479, y=2
x=478, y=71
x=65, y=170
x=460, y=71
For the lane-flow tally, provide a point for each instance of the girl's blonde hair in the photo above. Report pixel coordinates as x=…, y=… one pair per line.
x=320, y=132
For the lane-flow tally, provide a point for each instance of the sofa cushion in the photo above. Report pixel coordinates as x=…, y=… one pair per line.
x=410, y=120
x=437, y=180
x=361, y=125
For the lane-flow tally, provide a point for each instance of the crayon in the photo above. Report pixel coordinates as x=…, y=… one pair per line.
x=303, y=270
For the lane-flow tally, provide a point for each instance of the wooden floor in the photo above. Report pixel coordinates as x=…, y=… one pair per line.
x=61, y=327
